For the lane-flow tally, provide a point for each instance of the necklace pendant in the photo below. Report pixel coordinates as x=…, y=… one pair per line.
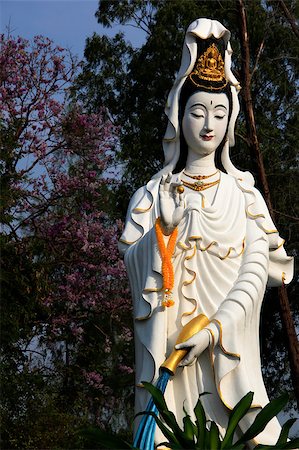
x=168, y=299
x=200, y=185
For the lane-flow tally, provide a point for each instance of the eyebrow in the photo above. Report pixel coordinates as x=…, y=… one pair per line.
x=200, y=104
x=217, y=106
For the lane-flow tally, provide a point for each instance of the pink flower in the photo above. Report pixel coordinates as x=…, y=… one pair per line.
x=125, y=369
x=93, y=379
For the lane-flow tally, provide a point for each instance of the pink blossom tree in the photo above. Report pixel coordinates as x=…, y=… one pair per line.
x=66, y=301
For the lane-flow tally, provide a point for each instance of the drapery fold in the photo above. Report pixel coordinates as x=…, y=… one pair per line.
x=225, y=254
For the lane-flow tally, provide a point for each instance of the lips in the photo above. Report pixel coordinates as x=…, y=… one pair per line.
x=207, y=137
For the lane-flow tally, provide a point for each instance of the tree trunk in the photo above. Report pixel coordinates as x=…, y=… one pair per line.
x=292, y=341
x=285, y=312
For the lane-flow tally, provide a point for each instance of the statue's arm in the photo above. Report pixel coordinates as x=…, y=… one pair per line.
x=243, y=300
x=247, y=293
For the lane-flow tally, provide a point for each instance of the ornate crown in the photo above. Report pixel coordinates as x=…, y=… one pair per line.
x=210, y=68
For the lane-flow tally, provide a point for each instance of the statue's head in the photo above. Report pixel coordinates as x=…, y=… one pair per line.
x=205, y=74
x=205, y=103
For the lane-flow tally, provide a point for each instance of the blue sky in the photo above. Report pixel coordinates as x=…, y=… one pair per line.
x=67, y=22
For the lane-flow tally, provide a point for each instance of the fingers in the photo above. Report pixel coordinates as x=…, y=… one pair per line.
x=172, y=204
x=182, y=199
x=196, y=345
x=167, y=185
x=201, y=340
x=192, y=352
x=190, y=358
x=185, y=345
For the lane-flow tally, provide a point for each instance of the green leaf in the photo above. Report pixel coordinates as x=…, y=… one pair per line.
x=292, y=444
x=189, y=430
x=285, y=432
x=264, y=447
x=168, y=416
x=236, y=415
x=201, y=423
x=159, y=400
x=264, y=417
x=173, y=441
x=212, y=438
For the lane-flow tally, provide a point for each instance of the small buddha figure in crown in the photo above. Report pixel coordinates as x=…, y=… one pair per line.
x=199, y=240
x=210, y=65
x=212, y=58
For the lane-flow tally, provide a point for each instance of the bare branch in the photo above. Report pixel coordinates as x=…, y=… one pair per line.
x=243, y=138
x=289, y=16
x=259, y=53
x=57, y=147
x=287, y=215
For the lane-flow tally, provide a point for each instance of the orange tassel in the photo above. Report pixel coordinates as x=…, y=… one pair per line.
x=166, y=254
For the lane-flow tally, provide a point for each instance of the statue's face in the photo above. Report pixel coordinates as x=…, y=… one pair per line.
x=205, y=121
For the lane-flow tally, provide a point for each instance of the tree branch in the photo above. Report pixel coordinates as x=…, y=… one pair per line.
x=290, y=18
x=286, y=215
x=243, y=138
x=259, y=53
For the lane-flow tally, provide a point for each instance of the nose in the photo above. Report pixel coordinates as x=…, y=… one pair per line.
x=208, y=127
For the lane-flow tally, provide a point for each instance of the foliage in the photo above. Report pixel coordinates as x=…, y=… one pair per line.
x=96, y=438
x=203, y=434
x=65, y=311
x=133, y=84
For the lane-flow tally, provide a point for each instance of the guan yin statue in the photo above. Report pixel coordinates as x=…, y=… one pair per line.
x=199, y=243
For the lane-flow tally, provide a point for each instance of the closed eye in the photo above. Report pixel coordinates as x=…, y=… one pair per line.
x=197, y=115
x=219, y=117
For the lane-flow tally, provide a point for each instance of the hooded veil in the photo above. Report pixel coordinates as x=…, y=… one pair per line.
x=203, y=29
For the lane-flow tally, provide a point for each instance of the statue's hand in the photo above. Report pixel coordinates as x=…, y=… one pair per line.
x=169, y=195
x=197, y=344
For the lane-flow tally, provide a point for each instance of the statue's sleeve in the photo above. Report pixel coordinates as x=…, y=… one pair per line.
x=134, y=230
x=237, y=355
x=281, y=266
x=138, y=243
x=139, y=247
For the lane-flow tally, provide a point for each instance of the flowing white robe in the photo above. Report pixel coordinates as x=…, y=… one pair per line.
x=225, y=253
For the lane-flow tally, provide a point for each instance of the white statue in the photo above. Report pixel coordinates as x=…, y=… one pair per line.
x=220, y=246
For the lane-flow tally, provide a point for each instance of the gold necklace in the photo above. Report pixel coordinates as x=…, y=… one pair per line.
x=200, y=177
x=199, y=185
